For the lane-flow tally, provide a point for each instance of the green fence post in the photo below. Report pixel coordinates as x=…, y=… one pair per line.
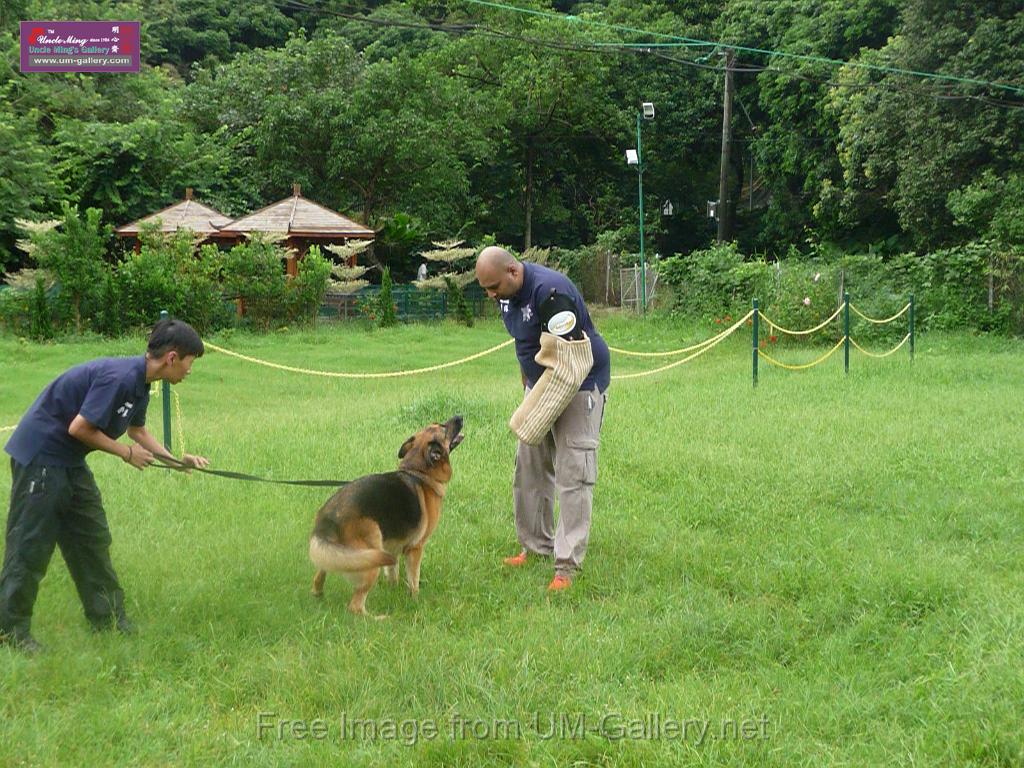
x=911, y=327
x=846, y=330
x=756, y=325
x=166, y=390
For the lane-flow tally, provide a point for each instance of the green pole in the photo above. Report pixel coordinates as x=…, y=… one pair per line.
x=757, y=316
x=911, y=327
x=846, y=331
x=166, y=389
x=640, y=182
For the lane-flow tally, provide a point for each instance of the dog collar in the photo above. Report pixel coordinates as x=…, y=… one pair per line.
x=435, y=486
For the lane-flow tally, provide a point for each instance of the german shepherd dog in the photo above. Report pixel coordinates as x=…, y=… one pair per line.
x=367, y=524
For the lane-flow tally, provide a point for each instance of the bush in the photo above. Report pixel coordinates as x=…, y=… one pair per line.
x=253, y=272
x=165, y=274
x=40, y=318
x=950, y=287
x=306, y=291
x=457, y=301
x=73, y=253
x=27, y=304
x=387, y=312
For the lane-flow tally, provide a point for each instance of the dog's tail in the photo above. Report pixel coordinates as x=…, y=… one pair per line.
x=328, y=556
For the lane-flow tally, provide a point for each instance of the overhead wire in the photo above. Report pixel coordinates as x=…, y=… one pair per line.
x=675, y=41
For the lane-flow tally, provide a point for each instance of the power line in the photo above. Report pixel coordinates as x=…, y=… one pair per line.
x=653, y=49
x=747, y=49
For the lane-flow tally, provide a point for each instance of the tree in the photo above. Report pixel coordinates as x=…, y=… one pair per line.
x=72, y=250
x=906, y=143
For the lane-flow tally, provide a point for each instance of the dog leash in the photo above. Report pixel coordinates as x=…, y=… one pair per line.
x=177, y=466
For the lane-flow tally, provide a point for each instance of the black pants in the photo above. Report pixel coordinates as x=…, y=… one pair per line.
x=57, y=506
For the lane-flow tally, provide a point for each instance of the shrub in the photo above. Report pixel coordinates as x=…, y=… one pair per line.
x=950, y=286
x=253, y=272
x=306, y=291
x=457, y=301
x=73, y=252
x=387, y=312
x=165, y=274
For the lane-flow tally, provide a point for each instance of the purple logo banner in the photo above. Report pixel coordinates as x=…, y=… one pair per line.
x=80, y=46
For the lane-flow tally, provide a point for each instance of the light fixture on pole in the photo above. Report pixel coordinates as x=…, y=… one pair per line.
x=636, y=157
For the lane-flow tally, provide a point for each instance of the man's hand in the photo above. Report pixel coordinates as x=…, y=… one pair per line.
x=190, y=461
x=138, y=457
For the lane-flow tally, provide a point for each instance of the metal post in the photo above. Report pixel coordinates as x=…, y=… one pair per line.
x=640, y=182
x=166, y=390
x=757, y=315
x=846, y=331
x=911, y=327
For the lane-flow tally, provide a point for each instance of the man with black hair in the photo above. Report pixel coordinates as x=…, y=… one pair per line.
x=54, y=498
x=565, y=370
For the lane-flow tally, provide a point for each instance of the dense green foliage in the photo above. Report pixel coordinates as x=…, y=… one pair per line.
x=516, y=125
x=950, y=286
x=455, y=119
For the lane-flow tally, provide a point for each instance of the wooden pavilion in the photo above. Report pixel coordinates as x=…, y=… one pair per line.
x=186, y=214
x=302, y=222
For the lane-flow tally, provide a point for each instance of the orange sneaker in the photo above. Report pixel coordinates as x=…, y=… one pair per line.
x=516, y=560
x=559, y=583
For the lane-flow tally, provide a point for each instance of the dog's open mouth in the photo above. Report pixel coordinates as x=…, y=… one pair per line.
x=454, y=433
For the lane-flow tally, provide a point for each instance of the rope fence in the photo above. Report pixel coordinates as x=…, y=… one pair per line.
x=845, y=340
x=754, y=316
x=344, y=375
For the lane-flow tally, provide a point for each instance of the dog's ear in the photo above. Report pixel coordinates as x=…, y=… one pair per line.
x=406, y=447
x=434, y=455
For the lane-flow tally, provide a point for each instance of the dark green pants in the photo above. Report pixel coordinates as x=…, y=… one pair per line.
x=57, y=506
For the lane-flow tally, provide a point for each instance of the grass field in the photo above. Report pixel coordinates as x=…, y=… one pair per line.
x=822, y=571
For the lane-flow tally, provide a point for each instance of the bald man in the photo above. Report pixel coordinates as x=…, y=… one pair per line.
x=565, y=461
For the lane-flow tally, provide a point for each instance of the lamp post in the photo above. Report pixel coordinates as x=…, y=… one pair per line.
x=637, y=158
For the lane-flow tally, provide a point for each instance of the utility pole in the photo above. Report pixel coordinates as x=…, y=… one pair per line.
x=723, y=209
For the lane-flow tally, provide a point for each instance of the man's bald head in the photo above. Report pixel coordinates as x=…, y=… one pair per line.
x=499, y=273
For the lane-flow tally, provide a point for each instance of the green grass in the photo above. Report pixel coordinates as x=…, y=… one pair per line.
x=832, y=562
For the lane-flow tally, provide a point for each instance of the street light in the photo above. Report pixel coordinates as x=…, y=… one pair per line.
x=636, y=157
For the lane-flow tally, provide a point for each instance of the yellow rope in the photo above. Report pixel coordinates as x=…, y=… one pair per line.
x=883, y=354
x=8, y=429
x=820, y=360
x=879, y=322
x=335, y=374
x=721, y=337
x=699, y=345
x=181, y=429
x=801, y=333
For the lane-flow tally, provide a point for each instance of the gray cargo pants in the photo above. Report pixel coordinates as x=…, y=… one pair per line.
x=566, y=461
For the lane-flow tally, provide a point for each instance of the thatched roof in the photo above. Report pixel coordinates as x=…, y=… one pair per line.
x=187, y=214
x=296, y=216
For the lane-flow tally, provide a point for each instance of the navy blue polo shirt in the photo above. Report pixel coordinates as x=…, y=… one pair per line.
x=111, y=393
x=523, y=322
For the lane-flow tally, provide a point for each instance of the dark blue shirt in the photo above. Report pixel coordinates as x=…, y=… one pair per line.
x=111, y=394
x=523, y=322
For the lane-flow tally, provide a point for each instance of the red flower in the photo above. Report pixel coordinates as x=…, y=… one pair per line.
x=773, y=339
x=728, y=318
x=763, y=344
x=718, y=321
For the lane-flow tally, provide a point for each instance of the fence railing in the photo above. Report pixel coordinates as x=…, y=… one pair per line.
x=413, y=303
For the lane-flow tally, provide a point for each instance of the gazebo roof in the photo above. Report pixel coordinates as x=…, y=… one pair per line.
x=186, y=214
x=297, y=216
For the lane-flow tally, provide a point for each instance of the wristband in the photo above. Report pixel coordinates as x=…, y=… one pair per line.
x=129, y=459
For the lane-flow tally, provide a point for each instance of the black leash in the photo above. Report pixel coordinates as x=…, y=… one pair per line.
x=178, y=466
